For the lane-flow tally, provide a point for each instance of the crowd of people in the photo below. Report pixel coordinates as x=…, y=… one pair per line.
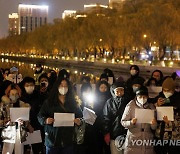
x=115, y=102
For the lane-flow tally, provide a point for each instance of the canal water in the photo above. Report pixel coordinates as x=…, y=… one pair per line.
x=28, y=69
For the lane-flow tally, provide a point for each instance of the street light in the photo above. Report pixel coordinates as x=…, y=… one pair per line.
x=144, y=35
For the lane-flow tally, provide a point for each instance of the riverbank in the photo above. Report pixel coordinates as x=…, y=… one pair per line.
x=96, y=67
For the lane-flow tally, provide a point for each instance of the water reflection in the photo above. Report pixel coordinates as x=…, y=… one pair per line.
x=28, y=70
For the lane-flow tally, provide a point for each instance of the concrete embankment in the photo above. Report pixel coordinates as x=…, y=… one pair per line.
x=93, y=67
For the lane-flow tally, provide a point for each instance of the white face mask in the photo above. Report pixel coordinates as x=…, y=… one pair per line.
x=167, y=94
x=29, y=89
x=135, y=89
x=13, y=98
x=63, y=90
x=142, y=100
x=133, y=72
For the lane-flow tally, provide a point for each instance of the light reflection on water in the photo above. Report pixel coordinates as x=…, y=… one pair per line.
x=28, y=70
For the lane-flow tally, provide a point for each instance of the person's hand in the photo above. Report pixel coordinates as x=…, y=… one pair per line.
x=30, y=128
x=77, y=121
x=107, y=138
x=20, y=121
x=133, y=121
x=160, y=101
x=49, y=121
x=165, y=118
x=153, y=122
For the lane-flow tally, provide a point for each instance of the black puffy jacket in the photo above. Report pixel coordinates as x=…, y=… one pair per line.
x=112, y=113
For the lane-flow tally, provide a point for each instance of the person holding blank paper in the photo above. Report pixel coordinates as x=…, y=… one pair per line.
x=59, y=139
x=168, y=128
x=138, y=131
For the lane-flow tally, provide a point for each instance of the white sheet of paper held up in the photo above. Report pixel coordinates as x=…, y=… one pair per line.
x=19, y=113
x=89, y=116
x=144, y=115
x=64, y=119
x=33, y=138
x=165, y=111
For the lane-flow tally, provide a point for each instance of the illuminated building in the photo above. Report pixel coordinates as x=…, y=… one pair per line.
x=31, y=17
x=13, y=24
x=115, y=3
x=69, y=13
x=94, y=8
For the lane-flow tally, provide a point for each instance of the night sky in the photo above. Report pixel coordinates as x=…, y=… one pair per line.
x=56, y=7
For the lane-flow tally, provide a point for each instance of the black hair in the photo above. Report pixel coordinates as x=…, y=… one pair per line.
x=53, y=98
x=174, y=75
x=63, y=74
x=142, y=91
x=44, y=75
x=28, y=80
x=135, y=67
x=110, y=73
x=149, y=81
x=100, y=83
x=161, y=74
x=104, y=76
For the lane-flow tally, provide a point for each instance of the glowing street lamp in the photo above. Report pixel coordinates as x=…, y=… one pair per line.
x=145, y=36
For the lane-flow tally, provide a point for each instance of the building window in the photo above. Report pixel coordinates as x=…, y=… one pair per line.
x=26, y=24
x=40, y=21
x=35, y=21
x=45, y=20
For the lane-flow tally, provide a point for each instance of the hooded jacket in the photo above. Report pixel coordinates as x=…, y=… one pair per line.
x=112, y=113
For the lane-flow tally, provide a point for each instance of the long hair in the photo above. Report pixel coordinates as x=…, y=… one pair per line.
x=53, y=98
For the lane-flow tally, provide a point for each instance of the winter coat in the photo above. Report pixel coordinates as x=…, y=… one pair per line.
x=171, y=131
x=112, y=113
x=57, y=136
x=137, y=131
x=33, y=101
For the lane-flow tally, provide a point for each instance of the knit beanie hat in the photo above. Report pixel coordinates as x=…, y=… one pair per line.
x=169, y=84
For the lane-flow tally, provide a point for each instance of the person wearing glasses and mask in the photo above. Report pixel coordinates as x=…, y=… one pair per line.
x=61, y=100
x=112, y=114
x=138, y=131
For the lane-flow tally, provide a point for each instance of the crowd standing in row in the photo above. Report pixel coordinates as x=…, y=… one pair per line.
x=114, y=104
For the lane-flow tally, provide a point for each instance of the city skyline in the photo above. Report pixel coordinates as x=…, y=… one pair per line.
x=56, y=7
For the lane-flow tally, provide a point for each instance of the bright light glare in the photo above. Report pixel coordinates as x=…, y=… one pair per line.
x=89, y=97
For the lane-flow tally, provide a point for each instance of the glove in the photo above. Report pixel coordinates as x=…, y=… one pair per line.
x=107, y=138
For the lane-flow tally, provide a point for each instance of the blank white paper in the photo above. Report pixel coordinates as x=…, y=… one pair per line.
x=144, y=115
x=64, y=119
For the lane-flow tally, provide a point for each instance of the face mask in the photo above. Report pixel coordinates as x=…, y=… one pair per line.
x=133, y=72
x=44, y=84
x=167, y=94
x=142, y=101
x=29, y=89
x=13, y=98
x=63, y=91
x=135, y=89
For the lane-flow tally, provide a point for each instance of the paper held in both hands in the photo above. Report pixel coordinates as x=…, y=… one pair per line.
x=64, y=119
x=147, y=115
x=19, y=113
x=89, y=116
x=144, y=115
x=165, y=111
